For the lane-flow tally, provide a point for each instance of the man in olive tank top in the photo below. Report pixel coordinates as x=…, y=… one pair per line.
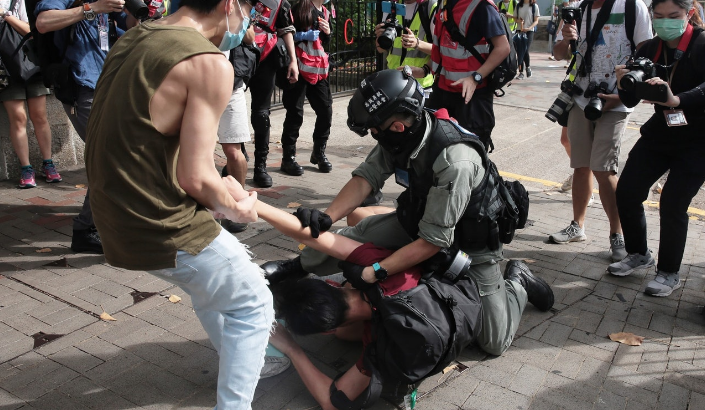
x=149, y=159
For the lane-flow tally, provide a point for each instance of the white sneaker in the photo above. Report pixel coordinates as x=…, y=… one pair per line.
x=567, y=184
x=663, y=285
x=630, y=263
x=274, y=365
x=617, y=248
x=573, y=233
x=592, y=200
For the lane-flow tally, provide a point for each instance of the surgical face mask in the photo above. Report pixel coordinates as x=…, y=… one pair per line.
x=669, y=29
x=232, y=40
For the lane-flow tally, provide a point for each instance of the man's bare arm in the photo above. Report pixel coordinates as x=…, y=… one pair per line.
x=208, y=79
x=403, y=259
x=52, y=20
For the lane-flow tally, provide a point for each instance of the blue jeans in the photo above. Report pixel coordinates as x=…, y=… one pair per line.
x=234, y=304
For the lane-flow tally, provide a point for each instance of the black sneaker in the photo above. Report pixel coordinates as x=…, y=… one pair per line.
x=528, y=72
x=233, y=227
x=86, y=240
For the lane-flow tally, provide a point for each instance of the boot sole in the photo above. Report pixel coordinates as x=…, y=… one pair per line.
x=293, y=174
x=576, y=239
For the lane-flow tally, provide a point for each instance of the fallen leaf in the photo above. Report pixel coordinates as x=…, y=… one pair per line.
x=81, y=186
x=301, y=246
x=627, y=338
x=293, y=205
x=105, y=316
x=174, y=299
x=43, y=250
x=658, y=188
x=449, y=368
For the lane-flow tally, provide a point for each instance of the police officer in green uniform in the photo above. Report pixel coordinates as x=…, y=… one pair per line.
x=413, y=47
x=443, y=168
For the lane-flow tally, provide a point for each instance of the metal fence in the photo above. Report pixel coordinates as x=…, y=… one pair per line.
x=353, y=55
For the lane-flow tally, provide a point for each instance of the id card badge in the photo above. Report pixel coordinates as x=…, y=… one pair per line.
x=103, y=33
x=675, y=118
x=402, y=177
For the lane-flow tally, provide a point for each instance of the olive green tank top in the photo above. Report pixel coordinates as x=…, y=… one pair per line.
x=142, y=214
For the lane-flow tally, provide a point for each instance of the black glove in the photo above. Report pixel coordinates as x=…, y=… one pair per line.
x=353, y=274
x=313, y=218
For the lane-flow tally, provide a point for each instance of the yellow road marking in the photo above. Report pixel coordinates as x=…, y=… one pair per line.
x=653, y=204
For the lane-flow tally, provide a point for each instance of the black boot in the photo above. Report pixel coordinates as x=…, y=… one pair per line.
x=318, y=157
x=277, y=271
x=289, y=164
x=260, y=177
x=537, y=290
x=86, y=240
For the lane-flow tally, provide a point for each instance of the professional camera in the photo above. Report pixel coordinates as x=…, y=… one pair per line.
x=593, y=109
x=138, y=9
x=564, y=101
x=640, y=69
x=392, y=29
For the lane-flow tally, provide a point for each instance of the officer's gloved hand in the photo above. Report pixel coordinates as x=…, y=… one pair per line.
x=318, y=221
x=353, y=274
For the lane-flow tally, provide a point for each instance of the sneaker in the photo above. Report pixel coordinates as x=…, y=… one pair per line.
x=617, y=247
x=573, y=233
x=27, y=178
x=528, y=72
x=592, y=200
x=233, y=227
x=49, y=171
x=273, y=366
x=567, y=184
x=552, y=58
x=520, y=76
x=86, y=240
x=663, y=285
x=630, y=262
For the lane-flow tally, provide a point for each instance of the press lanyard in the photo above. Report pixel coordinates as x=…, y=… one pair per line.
x=103, y=32
x=674, y=117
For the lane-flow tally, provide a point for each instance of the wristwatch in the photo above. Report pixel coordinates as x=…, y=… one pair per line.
x=88, y=13
x=476, y=76
x=380, y=272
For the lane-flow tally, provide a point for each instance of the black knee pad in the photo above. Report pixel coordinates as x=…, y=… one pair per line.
x=260, y=120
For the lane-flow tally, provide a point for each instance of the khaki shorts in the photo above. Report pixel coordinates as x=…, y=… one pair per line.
x=234, y=127
x=23, y=91
x=596, y=144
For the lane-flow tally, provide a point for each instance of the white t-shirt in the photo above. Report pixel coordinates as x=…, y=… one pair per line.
x=19, y=10
x=526, y=14
x=611, y=48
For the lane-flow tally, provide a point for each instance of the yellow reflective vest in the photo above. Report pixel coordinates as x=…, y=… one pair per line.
x=414, y=58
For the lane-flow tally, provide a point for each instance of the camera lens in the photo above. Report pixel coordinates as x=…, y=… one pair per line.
x=630, y=79
x=593, y=110
x=137, y=8
x=559, y=106
x=386, y=40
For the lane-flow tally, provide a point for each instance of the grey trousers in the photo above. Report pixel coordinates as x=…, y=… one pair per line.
x=503, y=301
x=79, y=119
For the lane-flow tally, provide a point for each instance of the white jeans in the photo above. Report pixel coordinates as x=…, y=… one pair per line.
x=234, y=304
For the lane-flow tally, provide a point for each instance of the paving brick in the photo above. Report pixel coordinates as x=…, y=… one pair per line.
x=113, y=367
x=610, y=401
x=528, y=380
x=567, y=364
x=556, y=334
x=673, y=397
x=68, y=340
x=76, y=359
x=45, y=383
x=645, y=381
x=99, y=348
x=9, y=401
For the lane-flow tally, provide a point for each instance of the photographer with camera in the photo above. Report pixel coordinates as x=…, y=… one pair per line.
x=407, y=39
x=671, y=140
x=89, y=26
x=600, y=35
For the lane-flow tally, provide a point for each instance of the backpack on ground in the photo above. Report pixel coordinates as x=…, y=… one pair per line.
x=418, y=332
x=506, y=70
x=55, y=72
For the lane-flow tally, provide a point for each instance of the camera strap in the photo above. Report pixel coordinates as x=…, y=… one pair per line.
x=406, y=24
x=600, y=20
x=682, y=45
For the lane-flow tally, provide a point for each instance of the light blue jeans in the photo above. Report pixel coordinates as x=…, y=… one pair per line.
x=234, y=304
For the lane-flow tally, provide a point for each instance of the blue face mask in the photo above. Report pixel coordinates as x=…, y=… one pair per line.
x=232, y=40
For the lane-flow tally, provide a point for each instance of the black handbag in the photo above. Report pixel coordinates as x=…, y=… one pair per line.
x=14, y=49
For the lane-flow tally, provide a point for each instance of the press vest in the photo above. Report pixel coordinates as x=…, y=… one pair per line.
x=510, y=13
x=453, y=60
x=265, y=34
x=472, y=232
x=414, y=58
x=312, y=58
x=142, y=214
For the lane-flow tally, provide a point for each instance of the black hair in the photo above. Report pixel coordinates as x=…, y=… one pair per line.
x=310, y=306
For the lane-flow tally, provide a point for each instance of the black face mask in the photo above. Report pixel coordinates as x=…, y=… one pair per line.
x=398, y=143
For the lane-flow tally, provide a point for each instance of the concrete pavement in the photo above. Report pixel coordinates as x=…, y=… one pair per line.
x=156, y=355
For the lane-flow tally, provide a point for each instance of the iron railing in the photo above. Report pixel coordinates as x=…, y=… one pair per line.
x=353, y=55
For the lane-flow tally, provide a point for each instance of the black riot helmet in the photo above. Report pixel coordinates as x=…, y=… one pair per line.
x=382, y=95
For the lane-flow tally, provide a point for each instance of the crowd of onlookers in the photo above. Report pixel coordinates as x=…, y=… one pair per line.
x=151, y=178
